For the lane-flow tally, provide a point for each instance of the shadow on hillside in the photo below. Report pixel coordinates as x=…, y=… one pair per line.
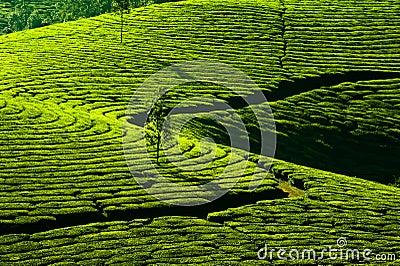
x=289, y=88
x=225, y=202
x=373, y=157
x=367, y=156
x=201, y=211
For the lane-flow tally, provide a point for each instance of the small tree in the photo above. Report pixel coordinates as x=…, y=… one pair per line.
x=122, y=6
x=396, y=181
x=154, y=126
x=34, y=20
x=19, y=17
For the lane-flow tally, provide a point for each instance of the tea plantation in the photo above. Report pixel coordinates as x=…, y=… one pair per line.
x=331, y=74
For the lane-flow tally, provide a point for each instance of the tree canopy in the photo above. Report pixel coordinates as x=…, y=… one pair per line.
x=28, y=14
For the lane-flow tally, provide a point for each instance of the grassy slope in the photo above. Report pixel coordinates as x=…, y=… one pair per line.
x=356, y=123
x=73, y=116
x=64, y=90
x=365, y=213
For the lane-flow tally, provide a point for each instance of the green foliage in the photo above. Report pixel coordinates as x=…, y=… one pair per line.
x=122, y=5
x=29, y=14
x=21, y=17
x=396, y=181
x=69, y=10
x=34, y=20
x=64, y=90
x=156, y=118
x=154, y=129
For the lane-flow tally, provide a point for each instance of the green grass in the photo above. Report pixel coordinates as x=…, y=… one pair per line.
x=72, y=147
x=64, y=91
x=354, y=123
x=334, y=206
x=351, y=128
x=339, y=36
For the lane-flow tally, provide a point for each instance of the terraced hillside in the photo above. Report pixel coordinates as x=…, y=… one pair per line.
x=357, y=123
x=68, y=197
x=335, y=206
x=344, y=35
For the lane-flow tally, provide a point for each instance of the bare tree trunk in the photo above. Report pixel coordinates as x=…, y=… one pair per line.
x=122, y=22
x=158, y=146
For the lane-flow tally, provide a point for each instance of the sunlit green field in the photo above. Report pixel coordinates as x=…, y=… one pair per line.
x=330, y=72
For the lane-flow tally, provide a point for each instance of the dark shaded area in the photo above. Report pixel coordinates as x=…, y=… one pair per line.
x=227, y=201
x=370, y=156
x=201, y=211
x=285, y=175
x=289, y=88
x=374, y=157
